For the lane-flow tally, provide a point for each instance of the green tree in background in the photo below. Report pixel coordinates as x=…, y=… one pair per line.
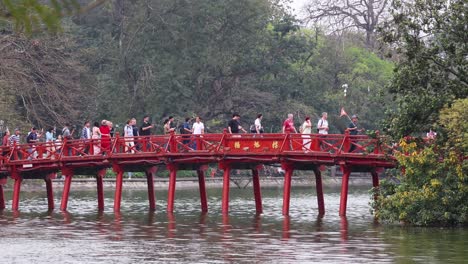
x=431, y=37
x=31, y=15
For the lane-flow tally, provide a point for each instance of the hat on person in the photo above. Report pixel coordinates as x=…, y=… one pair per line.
x=355, y=116
x=34, y=128
x=235, y=114
x=17, y=129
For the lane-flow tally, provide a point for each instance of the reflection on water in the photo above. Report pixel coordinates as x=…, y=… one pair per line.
x=84, y=235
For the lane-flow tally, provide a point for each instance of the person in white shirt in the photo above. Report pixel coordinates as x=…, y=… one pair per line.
x=128, y=134
x=322, y=124
x=198, y=127
x=258, y=124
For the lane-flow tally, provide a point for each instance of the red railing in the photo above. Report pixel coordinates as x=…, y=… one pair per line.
x=215, y=144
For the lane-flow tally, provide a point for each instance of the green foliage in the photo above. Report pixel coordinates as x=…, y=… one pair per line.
x=454, y=121
x=31, y=15
x=433, y=189
x=430, y=37
x=213, y=58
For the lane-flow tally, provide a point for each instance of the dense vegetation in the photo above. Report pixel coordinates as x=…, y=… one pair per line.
x=431, y=91
x=207, y=58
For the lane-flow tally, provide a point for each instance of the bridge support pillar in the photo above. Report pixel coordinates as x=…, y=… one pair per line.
x=319, y=188
x=172, y=185
x=100, y=189
x=344, y=189
x=2, y=197
x=226, y=182
x=287, y=187
x=202, y=188
x=257, y=191
x=118, y=187
x=375, y=182
x=16, y=191
x=66, y=188
x=50, y=193
x=150, y=182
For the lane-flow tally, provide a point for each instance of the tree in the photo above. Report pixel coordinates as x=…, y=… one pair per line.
x=431, y=37
x=363, y=15
x=30, y=15
x=43, y=81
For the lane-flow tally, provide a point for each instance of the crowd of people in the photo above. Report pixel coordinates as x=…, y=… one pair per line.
x=105, y=130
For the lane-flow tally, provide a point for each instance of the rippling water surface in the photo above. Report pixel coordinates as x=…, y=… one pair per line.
x=83, y=235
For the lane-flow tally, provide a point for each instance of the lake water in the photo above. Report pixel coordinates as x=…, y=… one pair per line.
x=83, y=235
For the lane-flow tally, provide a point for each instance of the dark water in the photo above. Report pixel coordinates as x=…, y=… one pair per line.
x=136, y=235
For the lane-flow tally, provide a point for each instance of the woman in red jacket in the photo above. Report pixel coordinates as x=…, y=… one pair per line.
x=105, y=137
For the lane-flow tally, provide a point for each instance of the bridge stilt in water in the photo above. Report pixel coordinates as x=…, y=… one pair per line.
x=66, y=190
x=150, y=182
x=16, y=194
x=202, y=188
x=172, y=184
x=375, y=182
x=100, y=189
x=50, y=193
x=287, y=188
x=226, y=183
x=319, y=188
x=344, y=189
x=2, y=198
x=257, y=191
x=118, y=188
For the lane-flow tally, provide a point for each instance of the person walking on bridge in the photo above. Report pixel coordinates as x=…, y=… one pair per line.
x=288, y=125
x=306, y=130
x=322, y=125
x=353, y=130
x=234, y=126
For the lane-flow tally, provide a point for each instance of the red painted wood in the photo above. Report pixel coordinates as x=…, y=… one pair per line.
x=319, y=188
x=118, y=190
x=151, y=196
x=257, y=192
x=344, y=190
x=172, y=185
x=66, y=192
x=375, y=182
x=287, y=189
x=201, y=184
x=16, y=194
x=100, y=191
x=2, y=198
x=50, y=193
x=226, y=183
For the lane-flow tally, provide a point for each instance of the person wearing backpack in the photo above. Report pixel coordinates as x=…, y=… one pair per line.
x=257, y=128
x=185, y=129
x=322, y=125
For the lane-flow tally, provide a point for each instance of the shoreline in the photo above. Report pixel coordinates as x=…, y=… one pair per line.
x=191, y=182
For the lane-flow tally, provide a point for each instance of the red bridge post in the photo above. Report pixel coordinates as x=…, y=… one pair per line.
x=16, y=190
x=226, y=182
x=118, y=187
x=66, y=188
x=257, y=191
x=172, y=184
x=344, y=189
x=375, y=182
x=287, y=186
x=2, y=196
x=50, y=192
x=319, y=188
x=202, y=188
x=100, y=188
x=150, y=181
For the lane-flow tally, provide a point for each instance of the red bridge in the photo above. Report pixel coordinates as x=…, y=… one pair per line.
x=193, y=152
